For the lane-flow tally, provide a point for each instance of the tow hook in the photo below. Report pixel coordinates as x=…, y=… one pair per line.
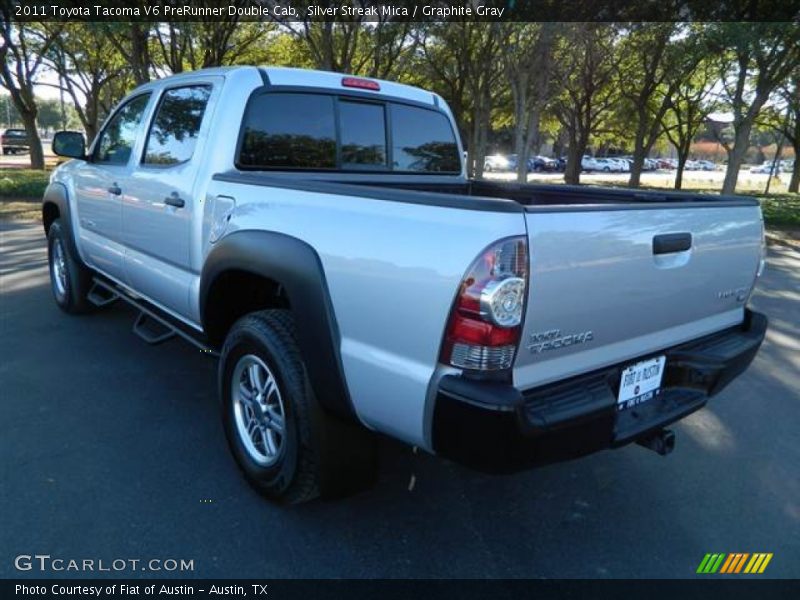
x=662, y=441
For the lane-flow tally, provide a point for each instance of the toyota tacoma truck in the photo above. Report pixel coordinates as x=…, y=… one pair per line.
x=317, y=233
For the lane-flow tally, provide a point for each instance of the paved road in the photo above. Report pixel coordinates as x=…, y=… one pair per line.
x=108, y=448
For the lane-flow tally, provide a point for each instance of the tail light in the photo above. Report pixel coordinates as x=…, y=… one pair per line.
x=485, y=323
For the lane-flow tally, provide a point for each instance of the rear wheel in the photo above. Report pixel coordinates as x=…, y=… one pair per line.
x=70, y=280
x=288, y=447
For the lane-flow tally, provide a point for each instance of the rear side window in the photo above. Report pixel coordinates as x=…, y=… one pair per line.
x=423, y=140
x=323, y=131
x=174, y=131
x=295, y=131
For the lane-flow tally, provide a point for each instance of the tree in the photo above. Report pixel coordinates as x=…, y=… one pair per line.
x=133, y=42
x=759, y=57
x=381, y=48
x=790, y=128
x=655, y=58
x=688, y=106
x=87, y=63
x=21, y=57
x=527, y=56
x=192, y=45
x=459, y=60
x=52, y=117
x=8, y=112
x=585, y=74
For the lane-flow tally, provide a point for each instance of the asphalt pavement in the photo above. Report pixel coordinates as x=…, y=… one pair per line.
x=113, y=449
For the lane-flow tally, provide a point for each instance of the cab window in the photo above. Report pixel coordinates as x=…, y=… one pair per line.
x=173, y=133
x=118, y=138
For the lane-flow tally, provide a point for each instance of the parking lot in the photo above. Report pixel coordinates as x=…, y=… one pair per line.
x=662, y=178
x=114, y=449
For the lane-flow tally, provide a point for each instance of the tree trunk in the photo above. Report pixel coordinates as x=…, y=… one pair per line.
x=636, y=170
x=520, y=142
x=638, y=151
x=683, y=156
x=479, y=144
x=534, y=141
x=794, y=182
x=34, y=141
x=572, y=173
x=140, y=53
x=735, y=158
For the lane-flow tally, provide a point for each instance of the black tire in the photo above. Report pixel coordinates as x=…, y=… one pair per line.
x=71, y=292
x=319, y=454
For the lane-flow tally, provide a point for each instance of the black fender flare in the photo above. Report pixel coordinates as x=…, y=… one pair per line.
x=56, y=194
x=296, y=266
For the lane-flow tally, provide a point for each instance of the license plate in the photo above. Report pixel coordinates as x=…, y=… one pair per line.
x=640, y=382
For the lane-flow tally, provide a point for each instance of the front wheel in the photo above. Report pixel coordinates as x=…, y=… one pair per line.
x=70, y=280
x=288, y=447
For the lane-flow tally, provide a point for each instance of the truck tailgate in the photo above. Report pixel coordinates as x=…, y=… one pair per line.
x=612, y=283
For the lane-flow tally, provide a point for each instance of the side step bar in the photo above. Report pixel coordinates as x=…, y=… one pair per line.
x=151, y=330
x=100, y=295
x=152, y=325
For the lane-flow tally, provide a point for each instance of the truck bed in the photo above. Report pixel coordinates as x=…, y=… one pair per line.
x=628, y=272
x=483, y=195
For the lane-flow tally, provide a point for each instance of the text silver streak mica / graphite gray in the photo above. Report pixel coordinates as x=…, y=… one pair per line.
x=307, y=222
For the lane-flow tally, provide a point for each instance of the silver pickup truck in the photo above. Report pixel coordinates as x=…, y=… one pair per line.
x=318, y=234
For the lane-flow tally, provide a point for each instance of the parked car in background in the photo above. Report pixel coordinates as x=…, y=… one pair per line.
x=14, y=141
x=766, y=167
x=608, y=165
x=496, y=162
x=589, y=163
x=691, y=165
x=542, y=163
x=665, y=163
x=706, y=165
x=624, y=165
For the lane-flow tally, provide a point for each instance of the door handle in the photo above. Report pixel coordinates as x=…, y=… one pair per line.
x=114, y=189
x=175, y=200
x=667, y=243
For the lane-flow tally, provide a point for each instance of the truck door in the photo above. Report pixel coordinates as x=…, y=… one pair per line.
x=99, y=188
x=157, y=215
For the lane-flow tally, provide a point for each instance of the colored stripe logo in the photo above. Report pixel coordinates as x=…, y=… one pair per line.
x=736, y=562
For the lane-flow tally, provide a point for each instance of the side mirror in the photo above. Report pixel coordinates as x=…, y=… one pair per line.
x=70, y=144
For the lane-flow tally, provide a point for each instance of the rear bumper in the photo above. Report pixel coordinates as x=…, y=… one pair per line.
x=494, y=427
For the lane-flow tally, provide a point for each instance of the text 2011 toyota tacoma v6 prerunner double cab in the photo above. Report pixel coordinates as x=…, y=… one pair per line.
x=318, y=233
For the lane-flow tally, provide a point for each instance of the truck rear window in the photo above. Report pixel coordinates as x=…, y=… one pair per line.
x=287, y=130
x=295, y=131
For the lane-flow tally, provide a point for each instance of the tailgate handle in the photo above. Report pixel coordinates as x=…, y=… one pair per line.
x=668, y=243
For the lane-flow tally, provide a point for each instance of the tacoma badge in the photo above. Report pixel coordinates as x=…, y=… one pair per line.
x=553, y=340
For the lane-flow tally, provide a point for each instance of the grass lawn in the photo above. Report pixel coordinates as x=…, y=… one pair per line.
x=781, y=209
x=23, y=184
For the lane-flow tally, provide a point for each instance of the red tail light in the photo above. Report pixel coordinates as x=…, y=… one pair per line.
x=364, y=84
x=485, y=323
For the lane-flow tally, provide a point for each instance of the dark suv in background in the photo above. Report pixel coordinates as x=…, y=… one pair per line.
x=14, y=141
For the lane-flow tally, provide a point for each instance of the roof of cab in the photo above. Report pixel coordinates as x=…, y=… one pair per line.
x=330, y=80
x=289, y=76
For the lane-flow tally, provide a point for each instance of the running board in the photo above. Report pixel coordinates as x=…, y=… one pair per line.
x=153, y=325
x=152, y=330
x=101, y=296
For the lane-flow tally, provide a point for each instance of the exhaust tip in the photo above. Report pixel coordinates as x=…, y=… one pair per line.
x=662, y=442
